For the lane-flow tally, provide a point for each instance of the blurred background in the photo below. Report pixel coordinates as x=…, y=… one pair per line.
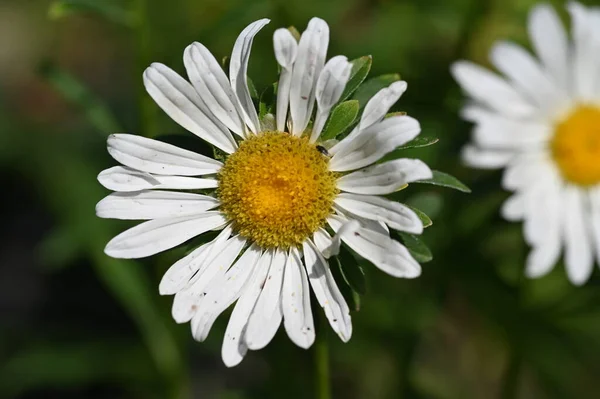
x=77, y=324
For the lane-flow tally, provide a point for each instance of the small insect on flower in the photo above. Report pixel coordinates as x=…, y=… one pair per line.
x=542, y=124
x=281, y=202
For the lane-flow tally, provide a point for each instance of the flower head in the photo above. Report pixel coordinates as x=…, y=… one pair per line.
x=282, y=200
x=541, y=122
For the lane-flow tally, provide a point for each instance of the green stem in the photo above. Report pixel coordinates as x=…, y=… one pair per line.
x=322, y=377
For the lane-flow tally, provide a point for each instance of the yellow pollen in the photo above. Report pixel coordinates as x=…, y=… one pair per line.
x=277, y=189
x=576, y=146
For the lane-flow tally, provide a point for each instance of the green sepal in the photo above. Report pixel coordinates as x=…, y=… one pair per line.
x=445, y=180
x=360, y=69
x=368, y=89
x=416, y=247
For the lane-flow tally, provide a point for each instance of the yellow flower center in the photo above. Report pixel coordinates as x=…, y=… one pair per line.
x=277, y=189
x=576, y=146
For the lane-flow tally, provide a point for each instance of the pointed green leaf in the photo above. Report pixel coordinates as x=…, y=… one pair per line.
x=419, y=142
x=368, y=89
x=109, y=10
x=416, y=247
x=445, y=180
x=351, y=271
x=342, y=116
x=426, y=220
x=96, y=112
x=360, y=69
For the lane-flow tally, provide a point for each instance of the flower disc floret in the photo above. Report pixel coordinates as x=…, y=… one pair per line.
x=277, y=189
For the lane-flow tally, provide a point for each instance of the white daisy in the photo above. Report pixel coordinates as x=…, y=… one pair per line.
x=276, y=199
x=541, y=122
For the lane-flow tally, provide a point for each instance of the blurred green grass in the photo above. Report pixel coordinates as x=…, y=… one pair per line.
x=79, y=324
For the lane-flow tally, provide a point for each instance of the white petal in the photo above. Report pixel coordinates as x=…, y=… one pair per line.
x=380, y=104
x=595, y=219
x=310, y=59
x=486, y=159
x=285, y=47
x=180, y=273
x=213, y=265
x=327, y=292
x=527, y=169
x=494, y=131
x=238, y=72
x=234, y=347
x=525, y=72
x=384, y=178
x=295, y=302
x=154, y=156
x=579, y=256
x=223, y=291
x=325, y=243
x=550, y=41
x=181, y=102
x=397, y=216
x=387, y=254
x=513, y=208
x=488, y=88
x=374, y=142
x=123, y=179
x=267, y=314
x=212, y=84
x=158, y=235
x=330, y=86
x=147, y=205
x=586, y=54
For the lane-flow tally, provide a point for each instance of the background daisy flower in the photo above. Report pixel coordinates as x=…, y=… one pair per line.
x=282, y=199
x=540, y=121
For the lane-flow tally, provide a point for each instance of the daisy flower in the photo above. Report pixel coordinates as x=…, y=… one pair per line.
x=541, y=122
x=281, y=200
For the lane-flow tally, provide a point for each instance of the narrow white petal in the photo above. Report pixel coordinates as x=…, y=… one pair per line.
x=486, y=159
x=526, y=73
x=181, y=102
x=330, y=86
x=295, y=302
x=214, y=88
x=145, y=205
x=380, y=104
x=397, y=216
x=513, y=208
x=267, y=315
x=327, y=292
x=286, y=49
x=238, y=72
x=549, y=39
x=375, y=142
x=213, y=265
x=586, y=51
x=325, y=244
x=488, y=88
x=223, y=291
x=154, y=156
x=124, y=179
x=310, y=59
x=387, y=254
x=180, y=273
x=579, y=258
x=595, y=219
x=158, y=235
x=234, y=347
x=384, y=178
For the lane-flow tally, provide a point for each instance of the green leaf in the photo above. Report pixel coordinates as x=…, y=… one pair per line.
x=419, y=142
x=351, y=271
x=110, y=10
x=252, y=89
x=426, y=220
x=266, y=102
x=342, y=116
x=416, y=247
x=368, y=89
x=360, y=69
x=96, y=112
x=445, y=180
